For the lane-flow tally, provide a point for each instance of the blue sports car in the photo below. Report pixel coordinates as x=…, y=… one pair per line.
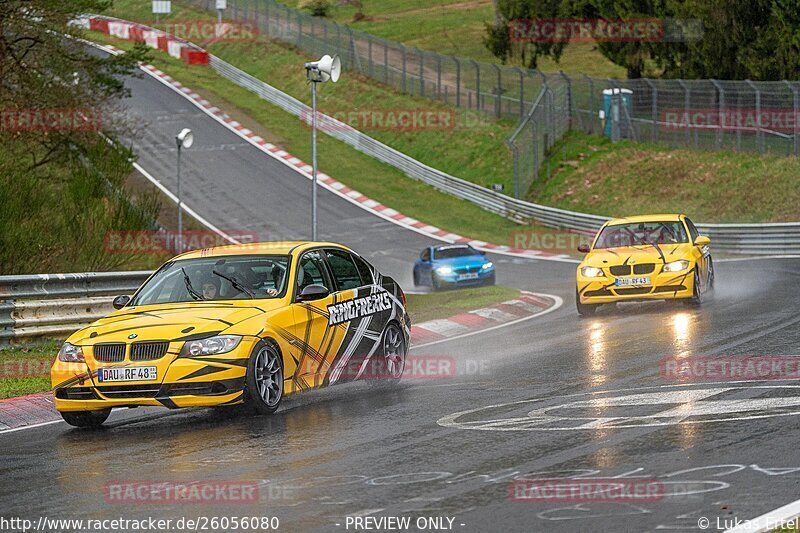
x=451, y=266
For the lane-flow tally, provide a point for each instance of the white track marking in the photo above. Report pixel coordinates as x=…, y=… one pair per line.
x=769, y=521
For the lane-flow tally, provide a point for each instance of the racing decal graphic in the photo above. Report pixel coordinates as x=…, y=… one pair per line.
x=359, y=308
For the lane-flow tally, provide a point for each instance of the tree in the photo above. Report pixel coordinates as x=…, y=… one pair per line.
x=43, y=67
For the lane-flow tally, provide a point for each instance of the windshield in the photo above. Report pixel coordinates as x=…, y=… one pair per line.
x=454, y=251
x=216, y=278
x=640, y=233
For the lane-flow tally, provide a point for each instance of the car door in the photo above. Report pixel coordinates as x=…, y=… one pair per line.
x=362, y=308
x=311, y=333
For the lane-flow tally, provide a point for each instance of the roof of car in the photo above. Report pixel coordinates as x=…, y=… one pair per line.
x=257, y=248
x=645, y=218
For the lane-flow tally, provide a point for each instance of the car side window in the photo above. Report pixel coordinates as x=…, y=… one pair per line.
x=692, y=229
x=344, y=269
x=311, y=271
x=426, y=254
x=365, y=270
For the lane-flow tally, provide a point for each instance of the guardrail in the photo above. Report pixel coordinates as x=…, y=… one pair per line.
x=754, y=239
x=57, y=304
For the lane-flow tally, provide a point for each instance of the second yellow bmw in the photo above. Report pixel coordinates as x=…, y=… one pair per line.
x=652, y=257
x=236, y=324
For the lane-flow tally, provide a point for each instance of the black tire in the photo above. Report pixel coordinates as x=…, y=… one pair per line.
x=394, y=350
x=416, y=278
x=435, y=283
x=696, y=300
x=263, y=390
x=584, y=309
x=490, y=280
x=86, y=419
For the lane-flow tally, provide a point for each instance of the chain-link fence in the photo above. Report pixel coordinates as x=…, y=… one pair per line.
x=706, y=114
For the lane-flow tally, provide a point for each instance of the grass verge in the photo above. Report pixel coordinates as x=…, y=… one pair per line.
x=424, y=307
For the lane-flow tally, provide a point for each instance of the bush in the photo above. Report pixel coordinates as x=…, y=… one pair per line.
x=318, y=8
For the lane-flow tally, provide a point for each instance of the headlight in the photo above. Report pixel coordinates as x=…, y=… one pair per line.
x=444, y=270
x=487, y=266
x=592, y=272
x=210, y=346
x=676, y=266
x=69, y=353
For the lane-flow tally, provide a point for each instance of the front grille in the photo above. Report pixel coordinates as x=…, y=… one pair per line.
x=109, y=353
x=147, y=351
x=621, y=270
x=622, y=291
x=467, y=270
x=644, y=268
x=129, y=391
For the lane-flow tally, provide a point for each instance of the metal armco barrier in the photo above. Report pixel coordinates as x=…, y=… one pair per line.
x=57, y=304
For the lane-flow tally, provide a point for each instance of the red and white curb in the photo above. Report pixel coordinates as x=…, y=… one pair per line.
x=528, y=305
x=24, y=412
x=331, y=184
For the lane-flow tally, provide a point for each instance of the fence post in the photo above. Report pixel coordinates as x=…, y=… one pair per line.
x=592, y=110
x=299, y=29
x=521, y=92
x=477, y=84
x=569, y=99
x=405, y=59
x=266, y=16
x=458, y=81
x=498, y=104
x=759, y=132
x=421, y=72
x=653, y=110
x=686, y=111
x=386, y=62
x=721, y=111
x=439, y=75
x=369, y=47
x=535, y=134
x=515, y=155
x=794, y=116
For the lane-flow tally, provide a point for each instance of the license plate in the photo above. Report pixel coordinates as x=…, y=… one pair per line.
x=631, y=282
x=130, y=373
x=468, y=276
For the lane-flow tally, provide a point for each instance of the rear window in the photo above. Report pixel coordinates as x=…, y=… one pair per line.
x=344, y=269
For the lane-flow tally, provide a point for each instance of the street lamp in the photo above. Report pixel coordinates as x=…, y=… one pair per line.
x=326, y=69
x=185, y=139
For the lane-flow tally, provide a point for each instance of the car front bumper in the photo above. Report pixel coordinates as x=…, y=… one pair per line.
x=663, y=286
x=453, y=278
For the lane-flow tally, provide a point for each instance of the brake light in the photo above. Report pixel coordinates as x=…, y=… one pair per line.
x=402, y=296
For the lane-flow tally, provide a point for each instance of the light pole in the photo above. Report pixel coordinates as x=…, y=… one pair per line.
x=326, y=69
x=184, y=139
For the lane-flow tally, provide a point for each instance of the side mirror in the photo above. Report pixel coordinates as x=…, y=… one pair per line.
x=121, y=301
x=482, y=252
x=313, y=292
x=702, y=240
x=584, y=248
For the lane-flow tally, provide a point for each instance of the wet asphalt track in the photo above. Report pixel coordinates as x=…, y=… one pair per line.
x=357, y=450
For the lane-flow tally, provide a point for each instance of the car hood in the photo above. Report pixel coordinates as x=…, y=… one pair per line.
x=175, y=321
x=636, y=255
x=461, y=262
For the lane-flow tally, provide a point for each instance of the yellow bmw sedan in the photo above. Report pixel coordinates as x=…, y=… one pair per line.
x=236, y=324
x=651, y=257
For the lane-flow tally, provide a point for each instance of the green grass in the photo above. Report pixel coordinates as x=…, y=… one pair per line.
x=424, y=307
x=592, y=175
x=456, y=27
x=26, y=369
